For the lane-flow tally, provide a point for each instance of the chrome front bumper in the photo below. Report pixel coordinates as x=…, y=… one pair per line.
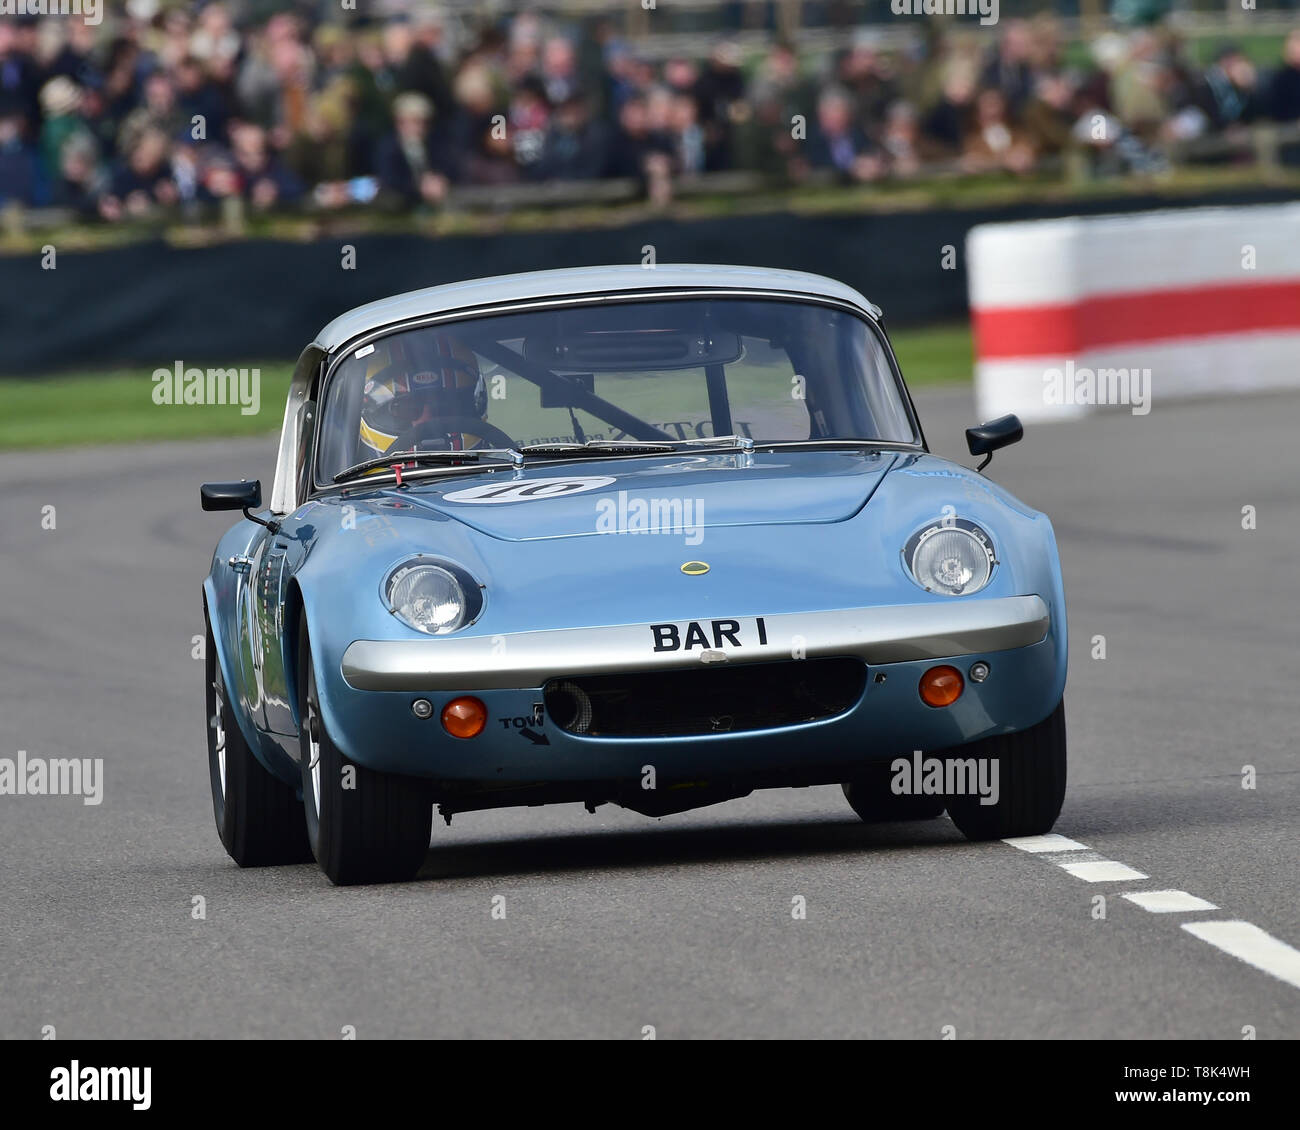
x=888, y=634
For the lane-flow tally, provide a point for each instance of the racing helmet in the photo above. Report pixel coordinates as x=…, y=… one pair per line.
x=429, y=376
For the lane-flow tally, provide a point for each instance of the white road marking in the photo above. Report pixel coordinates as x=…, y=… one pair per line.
x=1050, y=842
x=1101, y=871
x=1060, y=858
x=1239, y=939
x=1168, y=902
x=1252, y=945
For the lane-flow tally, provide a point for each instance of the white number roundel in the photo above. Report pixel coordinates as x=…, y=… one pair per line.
x=527, y=490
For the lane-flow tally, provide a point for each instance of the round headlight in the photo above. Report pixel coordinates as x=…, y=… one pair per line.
x=954, y=558
x=428, y=598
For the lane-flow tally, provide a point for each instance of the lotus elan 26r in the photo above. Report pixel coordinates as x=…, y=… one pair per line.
x=651, y=537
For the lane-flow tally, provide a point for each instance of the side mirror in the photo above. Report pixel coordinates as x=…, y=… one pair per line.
x=243, y=495
x=985, y=439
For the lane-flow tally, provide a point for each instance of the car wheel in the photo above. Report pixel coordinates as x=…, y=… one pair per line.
x=871, y=798
x=1031, y=782
x=363, y=826
x=259, y=817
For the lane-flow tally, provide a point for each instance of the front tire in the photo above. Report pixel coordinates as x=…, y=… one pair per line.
x=363, y=826
x=1031, y=782
x=259, y=817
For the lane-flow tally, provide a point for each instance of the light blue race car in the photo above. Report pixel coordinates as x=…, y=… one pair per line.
x=653, y=537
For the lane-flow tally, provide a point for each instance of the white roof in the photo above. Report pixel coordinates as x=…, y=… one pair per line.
x=578, y=281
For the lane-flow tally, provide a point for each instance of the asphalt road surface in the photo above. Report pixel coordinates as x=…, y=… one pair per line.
x=615, y=922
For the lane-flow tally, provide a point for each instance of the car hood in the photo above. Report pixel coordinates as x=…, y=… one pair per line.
x=780, y=532
x=693, y=492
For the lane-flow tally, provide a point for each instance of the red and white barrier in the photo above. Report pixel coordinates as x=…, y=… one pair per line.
x=1070, y=315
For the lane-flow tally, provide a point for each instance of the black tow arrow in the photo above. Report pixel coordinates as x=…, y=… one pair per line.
x=534, y=737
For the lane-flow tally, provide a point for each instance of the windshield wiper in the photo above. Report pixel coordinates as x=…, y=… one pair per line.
x=598, y=447
x=401, y=458
x=832, y=443
x=722, y=443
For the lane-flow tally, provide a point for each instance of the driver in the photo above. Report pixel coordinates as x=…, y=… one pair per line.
x=426, y=397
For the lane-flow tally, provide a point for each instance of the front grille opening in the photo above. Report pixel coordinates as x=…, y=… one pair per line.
x=705, y=700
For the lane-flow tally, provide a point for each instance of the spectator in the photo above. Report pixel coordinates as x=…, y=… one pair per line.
x=841, y=145
x=412, y=165
x=778, y=80
x=766, y=142
x=865, y=77
x=634, y=147
x=528, y=117
x=294, y=67
x=688, y=137
x=20, y=78
x=218, y=179
x=621, y=75
x=120, y=92
x=1284, y=91
x=81, y=179
x=491, y=160
x=575, y=147
x=197, y=97
x=412, y=66
x=60, y=103
x=476, y=107
x=371, y=102
x=1009, y=70
x=1138, y=87
x=215, y=41
x=318, y=152
x=906, y=149
x=76, y=57
x=523, y=48
x=1047, y=118
x=175, y=44
x=1114, y=148
x=949, y=120
x=992, y=141
x=264, y=181
x=1227, y=93
x=142, y=183
x=721, y=91
x=159, y=112
x=559, y=70
x=20, y=171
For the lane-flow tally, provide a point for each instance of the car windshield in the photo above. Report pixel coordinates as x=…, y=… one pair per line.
x=661, y=371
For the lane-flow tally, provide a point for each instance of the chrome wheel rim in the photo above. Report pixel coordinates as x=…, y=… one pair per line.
x=313, y=754
x=219, y=732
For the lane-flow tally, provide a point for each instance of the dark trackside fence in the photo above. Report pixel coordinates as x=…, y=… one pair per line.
x=150, y=304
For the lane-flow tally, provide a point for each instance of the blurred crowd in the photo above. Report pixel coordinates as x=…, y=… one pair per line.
x=180, y=108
